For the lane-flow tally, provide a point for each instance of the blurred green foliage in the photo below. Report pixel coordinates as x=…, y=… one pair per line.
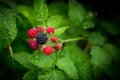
x=98, y=59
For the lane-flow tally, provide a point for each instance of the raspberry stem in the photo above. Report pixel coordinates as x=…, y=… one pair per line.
x=74, y=39
x=69, y=40
x=44, y=23
x=11, y=53
x=88, y=47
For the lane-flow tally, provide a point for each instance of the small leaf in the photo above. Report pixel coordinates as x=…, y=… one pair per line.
x=99, y=56
x=75, y=31
x=28, y=13
x=100, y=60
x=113, y=71
x=54, y=74
x=113, y=52
x=22, y=58
x=96, y=38
x=85, y=70
x=90, y=15
x=111, y=27
x=8, y=29
x=43, y=61
x=81, y=60
x=40, y=7
x=77, y=13
x=74, y=53
x=54, y=21
x=55, y=8
x=59, y=31
x=88, y=24
x=68, y=67
x=31, y=75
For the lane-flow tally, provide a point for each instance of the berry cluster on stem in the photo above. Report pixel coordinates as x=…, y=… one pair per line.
x=38, y=38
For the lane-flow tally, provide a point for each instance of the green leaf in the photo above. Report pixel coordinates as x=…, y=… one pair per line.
x=100, y=60
x=60, y=30
x=22, y=58
x=99, y=56
x=75, y=31
x=54, y=21
x=31, y=75
x=74, y=53
x=40, y=7
x=112, y=71
x=8, y=29
x=96, y=38
x=43, y=61
x=113, y=52
x=28, y=13
x=90, y=15
x=81, y=60
x=88, y=24
x=55, y=8
x=77, y=13
x=68, y=67
x=111, y=27
x=85, y=70
x=54, y=74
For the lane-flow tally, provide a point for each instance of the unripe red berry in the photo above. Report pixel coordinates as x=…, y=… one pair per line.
x=32, y=32
x=40, y=29
x=33, y=44
x=53, y=39
x=50, y=30
x=58, y=46
x=47, y=50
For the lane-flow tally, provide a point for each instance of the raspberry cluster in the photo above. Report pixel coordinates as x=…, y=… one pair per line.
x=42, y=38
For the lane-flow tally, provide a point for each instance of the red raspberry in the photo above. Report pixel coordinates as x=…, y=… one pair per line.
x=32, y=32
x=40, y=29
x=58, y=46
x=50, y=30
x=53, y=39
x=33, y=44
x=47, y=50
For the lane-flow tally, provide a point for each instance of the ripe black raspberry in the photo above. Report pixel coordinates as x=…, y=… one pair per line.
x=41, y=38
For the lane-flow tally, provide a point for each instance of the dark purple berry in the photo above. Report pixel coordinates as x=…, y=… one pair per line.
x=41, y=38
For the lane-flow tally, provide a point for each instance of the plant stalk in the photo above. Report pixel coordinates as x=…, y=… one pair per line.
x=11, y=53
x=74, y=39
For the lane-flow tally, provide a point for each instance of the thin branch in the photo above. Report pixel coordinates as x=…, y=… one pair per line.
x=74, y=39
x=11, y=53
